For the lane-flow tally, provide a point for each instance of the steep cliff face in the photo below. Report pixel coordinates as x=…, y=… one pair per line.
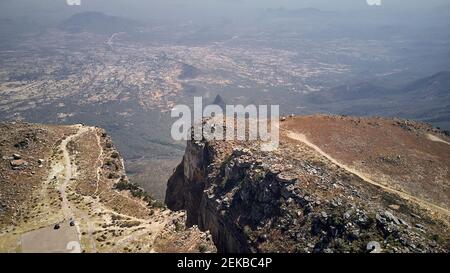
x=187, y=184
x=296, y=199
x=186, y=191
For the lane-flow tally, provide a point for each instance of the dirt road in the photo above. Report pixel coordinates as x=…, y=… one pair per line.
x=68, y=211
x=68, y=174
x=425, y=204
x=436, y=139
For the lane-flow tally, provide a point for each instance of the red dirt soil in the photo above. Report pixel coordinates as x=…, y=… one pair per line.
x=396, y=153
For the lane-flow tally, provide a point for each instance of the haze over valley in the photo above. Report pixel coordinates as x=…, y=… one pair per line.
x=124, y=70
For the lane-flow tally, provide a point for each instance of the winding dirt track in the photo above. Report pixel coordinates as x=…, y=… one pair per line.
x=436, y=139
x=65, y=167
x=68, y=175
x=424, y=204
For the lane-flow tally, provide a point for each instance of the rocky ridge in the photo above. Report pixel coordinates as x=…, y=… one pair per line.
x=295, y=200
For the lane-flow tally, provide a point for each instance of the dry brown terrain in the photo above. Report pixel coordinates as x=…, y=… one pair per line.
x=397, y=154
x=68, y=192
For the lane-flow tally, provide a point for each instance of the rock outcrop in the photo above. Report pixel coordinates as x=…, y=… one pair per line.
x=295, y=200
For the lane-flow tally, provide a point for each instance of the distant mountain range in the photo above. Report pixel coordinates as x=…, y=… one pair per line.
x=99, y=23
x=426, y=99
x=436, y=86
x=282, y=12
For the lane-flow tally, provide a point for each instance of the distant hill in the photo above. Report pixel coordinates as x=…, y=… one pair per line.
x=363, y=90
x=443, y=10
x=436, y=86
x=220, y=102
x=188, y=72
x=426, y=99
x=97, y=22
x=282, y=12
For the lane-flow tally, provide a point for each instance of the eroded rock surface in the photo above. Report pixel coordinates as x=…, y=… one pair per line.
x=297, y=199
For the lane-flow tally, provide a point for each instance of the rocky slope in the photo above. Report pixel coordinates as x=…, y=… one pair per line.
x=64, y=189
x=336, y=184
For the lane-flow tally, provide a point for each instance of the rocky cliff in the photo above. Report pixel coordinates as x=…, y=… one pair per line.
x=320, y=195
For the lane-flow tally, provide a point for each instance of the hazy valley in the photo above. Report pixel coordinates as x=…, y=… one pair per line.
x=124, y=71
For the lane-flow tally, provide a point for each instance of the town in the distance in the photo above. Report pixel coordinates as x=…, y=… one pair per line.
x=88, y=163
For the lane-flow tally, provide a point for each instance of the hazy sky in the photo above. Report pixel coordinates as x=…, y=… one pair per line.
x=185, y=9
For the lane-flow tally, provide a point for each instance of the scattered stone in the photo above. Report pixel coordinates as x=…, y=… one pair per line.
x=403, y=222
x=285, y=178
x=415, y=216
x=18, y=164
x=17, y=156
x=433, y=244
x=22, y=144
x=419, y=226
x=309, y=208
x=394, y=207
x=287, y=192
x=390, y=217
x=263, y=238
x=241, y=152
x=347, y=215
x=327, y=251
x=374, y=247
